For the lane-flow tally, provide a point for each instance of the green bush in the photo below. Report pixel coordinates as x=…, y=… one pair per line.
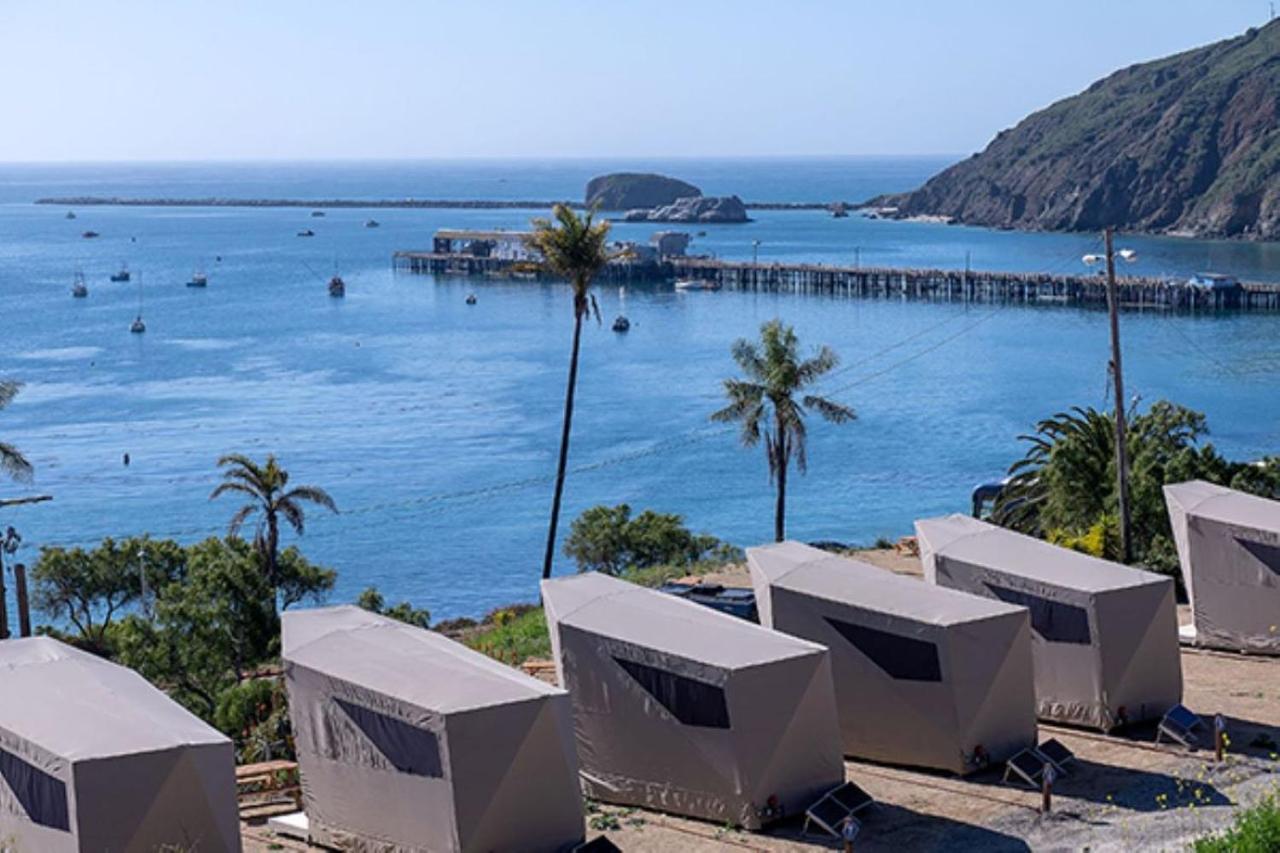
x=608, y=539
x=513, y=635
x=255, y=715
x=1254, y=830
x=373, y=601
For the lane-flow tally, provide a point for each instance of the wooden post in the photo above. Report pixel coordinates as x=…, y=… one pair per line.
x=1219, y=737
x=24, y=605
x=1046, y=788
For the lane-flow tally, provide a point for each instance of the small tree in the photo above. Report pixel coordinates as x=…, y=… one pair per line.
x=607, y=539
x=89, y=589
x=767, y=405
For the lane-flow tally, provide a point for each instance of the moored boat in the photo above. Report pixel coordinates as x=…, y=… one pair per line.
x=337, y=287
x=79, y=289
x=372, y=223
x=696, y=284
x=89, y=235
x=306, y=232
x=621, y=324
x=122, y=274
x=198, y=279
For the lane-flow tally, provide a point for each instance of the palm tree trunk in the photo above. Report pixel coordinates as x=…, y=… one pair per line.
x=273, y=545
x=564, y=445
x=780, y=510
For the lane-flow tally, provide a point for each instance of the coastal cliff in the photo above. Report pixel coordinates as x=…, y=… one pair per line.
x=723, y=209
x=1186, y=145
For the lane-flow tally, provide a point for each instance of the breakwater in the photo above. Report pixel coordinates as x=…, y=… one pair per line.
x=373, y=203
x=884, y=283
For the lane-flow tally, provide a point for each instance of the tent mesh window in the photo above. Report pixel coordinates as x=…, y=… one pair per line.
x=1268, y=555
x=1055, y=621
x=410, y=749
x=903, y=658
x=43, y=797
x=694, y=703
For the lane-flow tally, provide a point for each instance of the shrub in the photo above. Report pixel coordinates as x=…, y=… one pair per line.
x=608, y=539
x=1254, y=830
x=373, y=601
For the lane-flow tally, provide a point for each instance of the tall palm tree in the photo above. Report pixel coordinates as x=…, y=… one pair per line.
x=266, y=487
x=574, y=248
x=765, y=403
x=12, y=462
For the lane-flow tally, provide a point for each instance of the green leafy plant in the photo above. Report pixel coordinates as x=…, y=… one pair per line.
x=370, y=599
x=1253, y=830
x=609, y=539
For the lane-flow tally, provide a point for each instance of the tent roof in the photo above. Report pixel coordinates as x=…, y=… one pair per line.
x=412, y=664
x=814, y=572
x=79, y=706
x=961, y=537
x=629, y=613
x=1229, y=506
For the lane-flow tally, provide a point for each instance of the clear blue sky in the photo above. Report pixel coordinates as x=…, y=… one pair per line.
x=287, y=79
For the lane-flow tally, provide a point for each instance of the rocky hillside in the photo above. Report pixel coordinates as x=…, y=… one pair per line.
x=1189, y=144
x=629, y=190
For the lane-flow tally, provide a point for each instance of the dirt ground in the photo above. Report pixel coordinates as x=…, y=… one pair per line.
x=1125, y=792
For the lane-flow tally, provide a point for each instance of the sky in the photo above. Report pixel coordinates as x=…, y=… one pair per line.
x=100, y=80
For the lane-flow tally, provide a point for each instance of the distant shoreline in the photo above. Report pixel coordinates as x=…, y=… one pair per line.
x=373, y=204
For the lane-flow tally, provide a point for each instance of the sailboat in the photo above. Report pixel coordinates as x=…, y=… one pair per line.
x=138, y=327
x=79, y=289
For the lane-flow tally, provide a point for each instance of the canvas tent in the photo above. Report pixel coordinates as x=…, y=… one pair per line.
x=1104, y=637
x=1229, y=547
x=679, y=708
x=93, y=758
x=924, y=675
x=407, y=740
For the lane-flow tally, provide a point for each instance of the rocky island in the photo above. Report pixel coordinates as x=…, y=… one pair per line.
x=630, y=190
x=1186, y=145
x=706, y=209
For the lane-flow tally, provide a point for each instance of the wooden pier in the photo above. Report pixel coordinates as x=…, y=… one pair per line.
x=881, y=283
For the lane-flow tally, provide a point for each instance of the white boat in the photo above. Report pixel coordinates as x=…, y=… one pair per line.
x=696, y=284
x=198, y=279
x=138, y=327
x=79, y=290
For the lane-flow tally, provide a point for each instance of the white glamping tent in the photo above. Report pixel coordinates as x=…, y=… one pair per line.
x=924, y=675
x=1229, y=547
x=1104, y=636
x=407, y=740
x=92, y=757
x=682, y=709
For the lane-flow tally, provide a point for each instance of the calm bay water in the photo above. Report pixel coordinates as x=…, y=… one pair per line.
x=434, y=424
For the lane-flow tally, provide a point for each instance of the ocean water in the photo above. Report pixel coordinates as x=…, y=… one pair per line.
x=434, y=424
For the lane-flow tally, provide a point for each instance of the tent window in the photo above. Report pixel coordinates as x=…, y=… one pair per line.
x=1268, y=555
x=409, y=748
x=1053, y=620
x=903, y=658
x=694, y=703
x=43, y=797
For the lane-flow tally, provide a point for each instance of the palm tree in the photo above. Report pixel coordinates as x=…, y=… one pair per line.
x=12, y=462
x=765, y=403
x=266, y=487
x=574, y=248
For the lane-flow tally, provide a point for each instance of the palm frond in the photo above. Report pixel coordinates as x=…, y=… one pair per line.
x=13, y=463
x=312, y=494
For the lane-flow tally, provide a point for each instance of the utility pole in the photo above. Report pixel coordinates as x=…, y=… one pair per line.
x=1117, y=375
